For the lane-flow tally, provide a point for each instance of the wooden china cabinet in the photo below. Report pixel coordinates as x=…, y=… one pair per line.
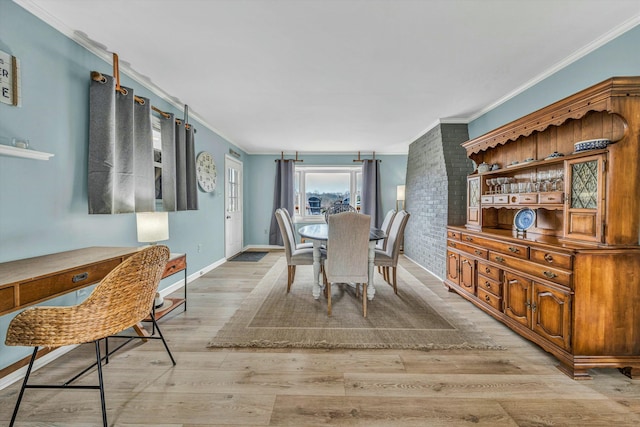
x=568, y=277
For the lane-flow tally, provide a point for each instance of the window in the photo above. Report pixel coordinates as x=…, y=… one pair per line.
x=157, y=155
x=318, y=187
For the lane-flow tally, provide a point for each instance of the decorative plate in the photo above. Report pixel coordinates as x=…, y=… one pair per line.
x=554, y=155
x=590, y=144
x=524, y=219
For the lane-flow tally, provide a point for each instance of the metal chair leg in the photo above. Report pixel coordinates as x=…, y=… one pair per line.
x=155, y=324
x=102, y=401
x=24, y=384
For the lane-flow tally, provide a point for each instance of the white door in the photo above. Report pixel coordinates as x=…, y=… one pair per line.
x=232, y=206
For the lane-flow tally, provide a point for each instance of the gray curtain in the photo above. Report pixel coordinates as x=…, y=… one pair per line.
x=282, y=197
x=371, y=197
x=120, y=164
x=121, y=176
x=168, y=179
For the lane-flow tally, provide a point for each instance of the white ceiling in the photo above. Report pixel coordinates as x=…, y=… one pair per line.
x=339, y=75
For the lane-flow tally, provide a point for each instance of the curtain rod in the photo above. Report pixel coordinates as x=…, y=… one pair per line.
x=289, y=160
x=98, y=77
x=366, y=160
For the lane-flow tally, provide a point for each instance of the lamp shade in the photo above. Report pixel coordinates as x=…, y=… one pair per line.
x=152, y=226
x=400, y=192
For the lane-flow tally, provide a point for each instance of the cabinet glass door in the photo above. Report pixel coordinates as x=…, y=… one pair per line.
x=473, y=202
x=585, y=190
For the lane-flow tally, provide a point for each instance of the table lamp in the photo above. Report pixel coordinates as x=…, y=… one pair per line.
x=399, y=197
x=153, y=227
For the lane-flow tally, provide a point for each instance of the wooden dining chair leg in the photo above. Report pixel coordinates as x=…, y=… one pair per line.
x=364, y=299
x=395, y=280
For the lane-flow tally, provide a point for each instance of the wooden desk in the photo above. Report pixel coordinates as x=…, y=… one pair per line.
x=30, y=281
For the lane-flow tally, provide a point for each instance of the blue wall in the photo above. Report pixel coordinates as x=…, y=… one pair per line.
x=260, y=171
x=619, y=57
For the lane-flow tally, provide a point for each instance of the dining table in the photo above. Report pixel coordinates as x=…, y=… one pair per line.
x=319, y=235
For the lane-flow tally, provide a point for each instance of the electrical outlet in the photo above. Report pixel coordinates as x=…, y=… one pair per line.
x=265, y=231
x=81, y=292
x=199, y=247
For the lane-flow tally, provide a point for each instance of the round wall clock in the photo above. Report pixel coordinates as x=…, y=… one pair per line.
x=206, y=172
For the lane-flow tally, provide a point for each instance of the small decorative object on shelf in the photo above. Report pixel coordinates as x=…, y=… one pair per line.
x=554, y=155
x=590, y=144
x=524, y=219
x=484, y=167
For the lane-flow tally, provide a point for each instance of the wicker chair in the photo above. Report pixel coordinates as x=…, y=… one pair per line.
x=348, y=253
x=388, y=258
x=338, y=207
x=121, y=300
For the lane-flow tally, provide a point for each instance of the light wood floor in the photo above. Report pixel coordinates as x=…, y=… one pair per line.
x=516, y=387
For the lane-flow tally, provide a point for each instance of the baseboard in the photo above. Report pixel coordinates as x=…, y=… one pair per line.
x=424, y=268
x=263, y=247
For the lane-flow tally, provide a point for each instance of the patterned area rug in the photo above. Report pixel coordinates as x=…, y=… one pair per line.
x=249, y=256
x=416, y=318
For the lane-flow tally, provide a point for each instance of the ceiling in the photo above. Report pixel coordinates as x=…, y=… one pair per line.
x=338, y=76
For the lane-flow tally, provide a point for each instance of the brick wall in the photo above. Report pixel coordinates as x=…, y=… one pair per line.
x=437, y=169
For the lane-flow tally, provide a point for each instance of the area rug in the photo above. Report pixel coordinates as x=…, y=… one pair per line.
x=416, y=318
x=249, y=256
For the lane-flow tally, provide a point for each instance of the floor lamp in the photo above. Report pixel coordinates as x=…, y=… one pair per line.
x=399, y=197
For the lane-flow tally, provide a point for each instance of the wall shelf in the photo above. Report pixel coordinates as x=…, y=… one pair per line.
x=6, y=150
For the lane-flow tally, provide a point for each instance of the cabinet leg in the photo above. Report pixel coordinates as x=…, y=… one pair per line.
x=575, y=373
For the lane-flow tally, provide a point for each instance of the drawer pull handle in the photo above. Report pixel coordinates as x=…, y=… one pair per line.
x=514, y=250
x=477, y=252
x=468, y=238
x=551, y=198
x=550, y=274
x=487, y=298
x=548, y=257
x=487, y=285
x=464, y=261
x=499, y=259
x=453, y=244
x=80, y=277
x=487, y=270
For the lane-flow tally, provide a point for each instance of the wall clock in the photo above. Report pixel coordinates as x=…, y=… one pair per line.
x=206, y=172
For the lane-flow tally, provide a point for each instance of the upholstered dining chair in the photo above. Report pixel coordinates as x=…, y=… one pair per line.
x=386, y=226
x=388, y=258
x=338, y=207
x=298, y=245
x=295, y=256
x=348, y=253
x=121, y=300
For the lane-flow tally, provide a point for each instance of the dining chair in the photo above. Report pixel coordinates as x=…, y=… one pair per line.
x=295, y=256
x=348, y=253
x=298, y=245
x=338, y=207
x=386, y=226
x=388, y=258
x=120, y=301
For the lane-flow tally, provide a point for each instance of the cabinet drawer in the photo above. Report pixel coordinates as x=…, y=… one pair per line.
x=453, y=234
x=491, y=299
x=552, y=259
x=35, y=290
x=486, y=200
x=502, y=199
x=7, y=298
x=542, y=271
x=513, y=249
x=479, y=252
x=174, y=265
x=490, y=285
x=555, y=198
x=489, y=271
x=527, y=199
